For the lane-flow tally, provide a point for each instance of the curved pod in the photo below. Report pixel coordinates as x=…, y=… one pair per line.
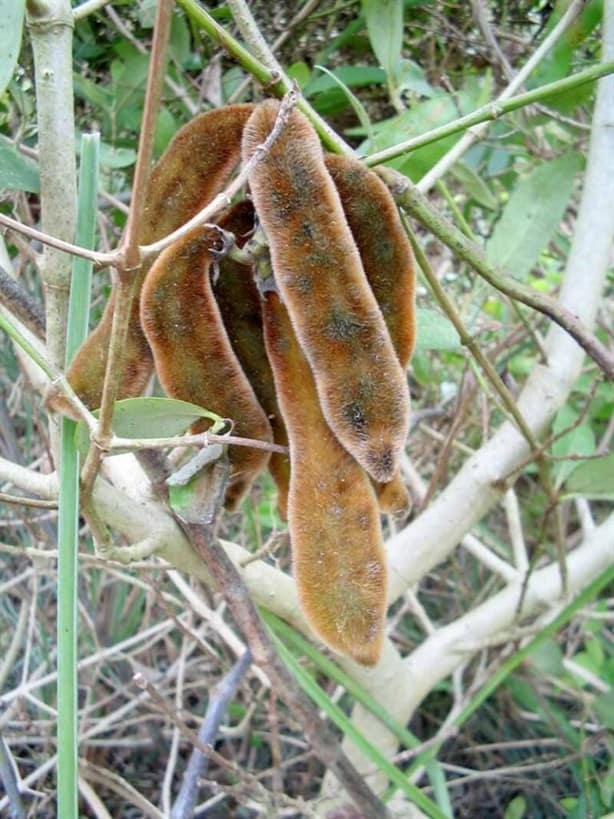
x=388, y=261
x=239, y=302
x=193, y=356
x=194, y=168
x=360, y=383
x=337, y=551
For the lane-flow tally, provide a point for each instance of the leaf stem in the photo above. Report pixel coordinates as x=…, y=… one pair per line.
x=416, y=204
x=491, y=112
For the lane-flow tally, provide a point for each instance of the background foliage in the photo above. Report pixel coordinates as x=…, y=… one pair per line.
x=540, y=745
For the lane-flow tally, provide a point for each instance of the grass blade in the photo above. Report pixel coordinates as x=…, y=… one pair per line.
x=337, y=716
x=355, y=690
x=68, y=521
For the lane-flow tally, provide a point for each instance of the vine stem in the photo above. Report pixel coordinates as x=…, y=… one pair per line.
x=487, y=114
x=127, y=278
x=471, y=137
x=415, y=203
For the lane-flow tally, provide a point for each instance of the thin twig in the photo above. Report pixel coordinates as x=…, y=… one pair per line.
x=37, y=504
x=415, y=203
x=127, y=274
x=8, y=775
x=99, y=259
x=16, y=299
x=202, y=439
x=219, y=700
x=89, y=7
x=243, y=610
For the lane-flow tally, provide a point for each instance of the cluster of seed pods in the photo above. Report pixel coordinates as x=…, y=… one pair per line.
x=312, y=356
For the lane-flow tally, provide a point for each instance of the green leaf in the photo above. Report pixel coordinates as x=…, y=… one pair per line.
x=578, y=441
x=92, y=92
x=411, y=78
x=385, y=27
x=17, y=172
x=147, y=13
x=423, y=117
x=516, y=809
x=149, y=418
x=180, y=40
x=356, y=104
x=435, y=331
x=593, y=479
x=474, y=185
x=113, y=157
x=548, y=658
x=604, y=707
x=166, y=128
x=300, y=73
x=532, y=215
x=11, y=25
x=351, y=75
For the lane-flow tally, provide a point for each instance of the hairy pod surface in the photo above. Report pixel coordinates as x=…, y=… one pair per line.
x=238, y=299
x=337, y=550
x=389, y=265
x=194, y=168
x=385, y=251
x=193, y=355
x=317, y=267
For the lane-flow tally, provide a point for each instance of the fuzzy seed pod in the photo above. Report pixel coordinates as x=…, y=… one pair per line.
x=194, y=168
x=360, y=383
x=393, y=497
x=193, y=356
x=238, y=299
x=388, y=261
x=385, y=251
x=337, y=550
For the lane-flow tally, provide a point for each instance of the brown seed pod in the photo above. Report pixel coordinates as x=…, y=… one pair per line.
x=385, y=251
x=238, y=299
x=362, y=388
x=193, y=356
x=393, y=496
x=388, y=261
x=337, y=550
x=193, y=169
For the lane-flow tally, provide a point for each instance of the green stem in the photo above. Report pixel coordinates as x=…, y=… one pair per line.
x=274, y=82
x=68, y=534
x=492, y=111
x=310, y=686
x=68, y=516
x=416, y=204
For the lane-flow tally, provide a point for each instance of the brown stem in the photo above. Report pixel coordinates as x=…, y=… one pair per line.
x=415, y=203
x=130, y=245
x=244, y=612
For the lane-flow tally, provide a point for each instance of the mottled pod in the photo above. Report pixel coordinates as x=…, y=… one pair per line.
x=337, y=551
x=193, y=356
x=384, y=248
x=388, y=261
x=194, y=168
x=237, y=297
x=317, y=267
